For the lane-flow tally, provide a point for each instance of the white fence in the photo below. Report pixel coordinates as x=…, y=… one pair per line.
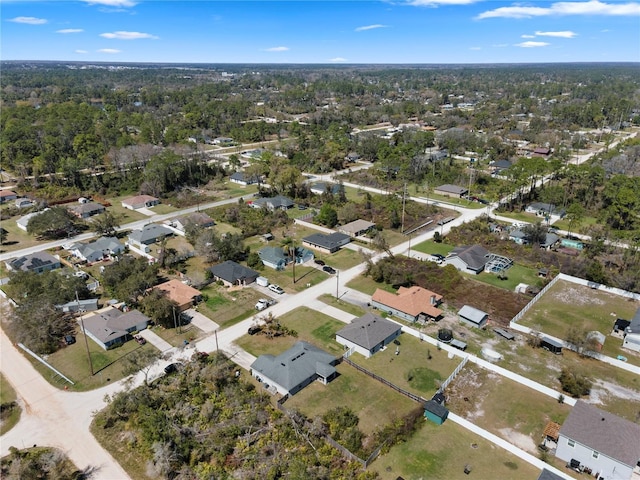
x=453, y=375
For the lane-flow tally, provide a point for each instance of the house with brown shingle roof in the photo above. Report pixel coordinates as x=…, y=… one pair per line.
x=184, y=295
x=140, y=201
x=412, y=304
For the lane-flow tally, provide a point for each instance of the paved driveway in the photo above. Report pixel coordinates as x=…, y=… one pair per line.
x=155, y=340
x=201, y=321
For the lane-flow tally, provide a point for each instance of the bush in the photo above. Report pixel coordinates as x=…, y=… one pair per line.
x=575, y=384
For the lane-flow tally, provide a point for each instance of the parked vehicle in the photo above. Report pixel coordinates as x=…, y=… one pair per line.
x=264, y=303
x=317, y=261
x=141, y=340
x=172, y=367
x=253, y=330
x=69, y=339
x=276, y=289
x=329, y=269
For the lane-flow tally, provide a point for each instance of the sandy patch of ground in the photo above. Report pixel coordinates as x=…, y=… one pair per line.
x=520, y=440
x=602, y=389
x=576, y=296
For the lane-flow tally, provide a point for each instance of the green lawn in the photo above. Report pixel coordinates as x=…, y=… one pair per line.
x=368, y=286
x=432, y=247
x=342, y=305
x=177, y=337
x=515, y=275
x=7, y=395
x=163, y=208
x=521, y=216
x=563, y=224
x=441, y=452
x=228, y=307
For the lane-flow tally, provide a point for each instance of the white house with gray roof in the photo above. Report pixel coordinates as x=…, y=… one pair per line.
x=326, y=243
x=606, y=444
x=36, y=262
x=632, y=333
x=99, y=249
x=368, y=334
x=111, y=326
x=294, y=369
x=147, y=235
x=468, y=259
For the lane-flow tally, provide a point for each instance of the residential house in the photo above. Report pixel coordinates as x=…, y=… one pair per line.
x=545, y=210
x=184, y=295
x=327, y=243
x=278, y=202
x=368, y=334
x=36, y=262
x=23, y=221
x=274, y=257
x=498, y=166
x=7, y=196
x=352, y=157
x=140, y=201
x=88, y=305
x=518, y=236
x=546, y=474
x=222, y=140
x=550, y=241
x=468, y=259
x=414, y=304
x=453, y=191
x=86, y=210
x=111, y=326
x=356, y=228
x=195, y=219
x=319, y=188
x=148, y=235
x=242, y=178
x=472, y=316
x=295, y=368
x=599, y=442
x=232, y=273
x=102, y=248
x=542, y=151
x=632, y=333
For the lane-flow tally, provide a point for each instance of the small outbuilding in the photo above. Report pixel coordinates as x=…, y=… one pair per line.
x=550, y=344
x=473, y=316
x=435, y=412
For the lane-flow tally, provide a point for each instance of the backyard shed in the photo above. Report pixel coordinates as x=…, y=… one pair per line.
x=435, y=412
x=551, y=345
x=473, y=317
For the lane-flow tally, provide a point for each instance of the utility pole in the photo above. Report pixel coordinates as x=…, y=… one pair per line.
x=404, y=194
x=337, y=284
x=216, y=334
x=84, y=333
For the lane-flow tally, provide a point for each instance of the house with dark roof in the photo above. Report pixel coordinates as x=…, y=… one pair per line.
x=356, y=228
x=196, y=219
x=453, y=191
x=545, y=209
x=632, y=333
x=550, y=240
x=473, y=316
x=86, y=210
x=327, y=243
x=102, y=248
x=279, y=202
x=36, y=262
x=518, y=236
x=607, y=445
x=468, y=259
x=368, y=334
x=435, y=412
x=414, y=304
x=232, y=273
x=140, y=201
x=148, y=235
x=295, y=368
x=546, y=474
x=541, y=151
x=242, y=178
x=111, y=326
x=498, y=166
x=319, y=188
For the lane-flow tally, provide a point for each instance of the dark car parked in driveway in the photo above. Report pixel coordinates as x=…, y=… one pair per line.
x=329, y=269
x=172, y=367
x=319, y=262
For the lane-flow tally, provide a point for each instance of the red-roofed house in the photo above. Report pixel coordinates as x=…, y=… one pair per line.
x=184, y=295
x=7, y=196
x=411, y=304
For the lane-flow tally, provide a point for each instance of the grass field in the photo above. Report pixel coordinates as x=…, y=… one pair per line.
x=521, y=216
x=441, y=452
x=7, y=395
x=342, y=305
x=366, y=285
x=563, y=224
x=431, y=247
x=516, y=275
x=228, y=307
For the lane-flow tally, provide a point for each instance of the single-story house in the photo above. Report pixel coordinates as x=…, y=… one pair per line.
x=435, y=412
x=278, y=257
x=518, y=236
x=352, y=157
x=499, y=165
x=632, y=333
x=453, y=191
x=549, y=475
x=7, y=196
x=541, y=151
x=23, y=221
x=86, y=210
x=88, y=305
x=232, y=273
x=242, y=178
x=295, y=368
x=274, y=203
x=111, y=326
x=36, y=262
x=24, y=203
x=184, y=295
x=368, y=334
x=412, y=304
x=319, y=188
x=356, y=228
x=196, y=219
x=327, y=243
x=469, y=259
x=140, y=201
x=550, y=240
x=222, y=140
x=472, y=316
x=99, y=249
x=544, y=209
x=148, y=235
x=605, y=444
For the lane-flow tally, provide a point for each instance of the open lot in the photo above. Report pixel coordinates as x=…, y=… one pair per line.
x=443, y=451
x=228, y=306
x=516, y=275
x=367, y=285
x=431, y=247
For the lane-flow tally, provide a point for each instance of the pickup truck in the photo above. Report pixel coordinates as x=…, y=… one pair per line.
x=264, y=303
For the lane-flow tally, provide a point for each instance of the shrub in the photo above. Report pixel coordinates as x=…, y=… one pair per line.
x=575, y=384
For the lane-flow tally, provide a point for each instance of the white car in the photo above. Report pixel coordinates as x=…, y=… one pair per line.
x=276, y=289
x=264, y=303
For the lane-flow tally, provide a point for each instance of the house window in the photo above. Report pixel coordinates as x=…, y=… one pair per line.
x=571, y=443
x=595, y=454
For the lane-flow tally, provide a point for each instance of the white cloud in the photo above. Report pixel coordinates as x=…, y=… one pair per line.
x=531, y=44
x=81, y=51
x=370, y=27
x=112, y=3
x=563, y=34
x=108, y=50
x=475, y=48
x=70, y=30
x=592, y=7
x=527, y=36
x=121, y=35
x=276, y=49
x=29, y=20
x=338, y=60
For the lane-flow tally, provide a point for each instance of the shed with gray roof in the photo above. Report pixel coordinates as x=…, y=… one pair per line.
x=472, y=316
x=368, y=334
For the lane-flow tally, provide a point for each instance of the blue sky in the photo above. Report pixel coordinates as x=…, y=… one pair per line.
x=401, y=31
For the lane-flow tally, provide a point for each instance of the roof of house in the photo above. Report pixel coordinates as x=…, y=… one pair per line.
x=472, y=313
x=501, y=164
x=603, y=432
x=517, y=234
x=322, y=187
x=634, y=324
x=294, y=366
x=413, y=301
x=542, y=150
x=544, y=207
x=24, y=220
x=80, y=303
x=329, y=241
x=150, y=232
x=199, y=219
x=356, y=226
x=232, y=271
x=452, y=189
x=435, y=408
x=242, y=177
x=272, y=255
x=87, y=208
x=33, y=261
x=369, y=330
x=7, y=193
x=549, y=475
x=111, y=323
x=278, y=201
x=475, y=256
x=178, y=291
x=550, y=239
x=100, y=245
x=139, y=199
